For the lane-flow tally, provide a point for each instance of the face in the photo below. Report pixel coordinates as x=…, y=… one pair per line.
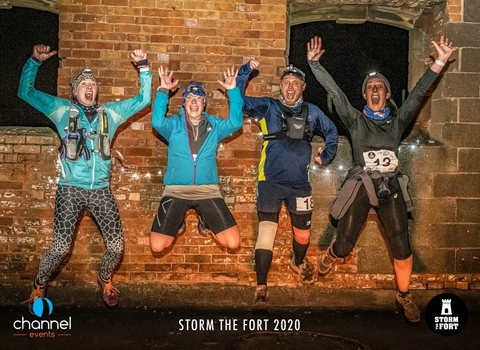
x=376, y=94
x=194, y=105
x=87, y=92
x=291, y=89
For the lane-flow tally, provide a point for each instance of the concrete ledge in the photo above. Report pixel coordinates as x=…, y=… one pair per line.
x=214, y=296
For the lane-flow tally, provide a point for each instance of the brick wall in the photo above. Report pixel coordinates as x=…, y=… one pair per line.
x=199, y=39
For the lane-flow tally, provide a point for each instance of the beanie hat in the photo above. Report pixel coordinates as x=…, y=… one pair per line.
x=85, y=74
x=376, y=75
x=291, y=70
x=196, y=89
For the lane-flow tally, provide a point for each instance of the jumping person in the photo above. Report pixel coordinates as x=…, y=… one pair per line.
x=288, y=125
x=86, y=130
x=191, y=179
x=375, y=180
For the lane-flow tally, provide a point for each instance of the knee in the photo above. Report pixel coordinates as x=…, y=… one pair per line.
x=159, y=242
x=301, y=236
x=229, y=238
x=341, y=250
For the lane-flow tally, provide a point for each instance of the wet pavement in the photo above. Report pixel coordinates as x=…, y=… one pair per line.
x=204, y=328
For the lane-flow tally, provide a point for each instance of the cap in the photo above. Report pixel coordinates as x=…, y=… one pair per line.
x=291, y=70
x=196, y=89
x=85, y=74
x=375, y=75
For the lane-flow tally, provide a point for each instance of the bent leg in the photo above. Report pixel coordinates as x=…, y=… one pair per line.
x=167, y=222
x=350, y=225
x=217, y=217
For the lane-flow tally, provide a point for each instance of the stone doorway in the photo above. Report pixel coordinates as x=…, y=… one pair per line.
x=421, y=19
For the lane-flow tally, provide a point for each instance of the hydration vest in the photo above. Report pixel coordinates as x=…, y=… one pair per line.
x=293, y=126
x=74, y=145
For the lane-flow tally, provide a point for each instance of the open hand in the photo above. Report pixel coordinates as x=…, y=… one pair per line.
x=230, y=76
x=314, y=49
x=444, y=49
x=166, y=78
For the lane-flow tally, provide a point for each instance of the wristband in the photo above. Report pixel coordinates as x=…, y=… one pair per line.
x=38, y=60
x=440, y=63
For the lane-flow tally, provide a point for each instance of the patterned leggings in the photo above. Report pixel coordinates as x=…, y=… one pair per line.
x=70, y=201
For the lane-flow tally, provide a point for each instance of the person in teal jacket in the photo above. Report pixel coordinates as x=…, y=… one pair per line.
x=191, y=178
x=86, y=130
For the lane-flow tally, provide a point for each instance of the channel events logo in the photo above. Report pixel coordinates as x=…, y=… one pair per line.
x=42, y=328
x=446, y=314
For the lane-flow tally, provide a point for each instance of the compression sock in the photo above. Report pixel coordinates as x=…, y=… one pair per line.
x=299, y=252
x=263, y=260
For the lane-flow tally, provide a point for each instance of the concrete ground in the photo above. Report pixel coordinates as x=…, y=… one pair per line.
x=200, y=318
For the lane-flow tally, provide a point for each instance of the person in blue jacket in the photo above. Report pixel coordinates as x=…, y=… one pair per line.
x=288, y=125
x=86, y=129
x=191, y=178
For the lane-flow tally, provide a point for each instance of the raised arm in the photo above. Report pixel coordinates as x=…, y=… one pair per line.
x=159, y=120
x=343, y=107
x=53, y=107
x=129, y=107
x=235, y=118
x=407, y=112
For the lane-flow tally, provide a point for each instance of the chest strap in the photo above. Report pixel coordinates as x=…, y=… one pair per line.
x=293, y=126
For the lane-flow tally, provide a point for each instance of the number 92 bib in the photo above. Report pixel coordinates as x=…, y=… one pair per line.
x=383, y=161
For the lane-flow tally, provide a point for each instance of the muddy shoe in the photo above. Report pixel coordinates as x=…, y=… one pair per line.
x=260, y=302
x=326, y=261
x=37, y=293
x=109, y=292
x=304, y=270
x=411, y=311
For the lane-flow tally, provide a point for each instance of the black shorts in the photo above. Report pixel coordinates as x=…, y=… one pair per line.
x=171, y=214
x=298, y=198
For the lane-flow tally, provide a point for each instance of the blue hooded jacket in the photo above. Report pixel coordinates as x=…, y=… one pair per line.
x=95, y=173
x=182, y=169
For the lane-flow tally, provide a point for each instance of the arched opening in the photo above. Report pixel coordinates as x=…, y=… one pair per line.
x=403, y=28
x=20, y=29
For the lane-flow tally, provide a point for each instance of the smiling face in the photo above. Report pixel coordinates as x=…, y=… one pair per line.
x=376, y=94
x=194, y=105
x=86, y=92
x=291, y=89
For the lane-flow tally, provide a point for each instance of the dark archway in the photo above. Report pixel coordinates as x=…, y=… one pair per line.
x=352, y=51
x=20, y=29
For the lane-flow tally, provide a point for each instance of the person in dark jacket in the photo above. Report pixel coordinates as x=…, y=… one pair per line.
x=375, y=180
x=191, y=179
x=288, y=125
x=86, y=129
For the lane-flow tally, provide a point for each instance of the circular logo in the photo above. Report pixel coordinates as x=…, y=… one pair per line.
x=42, y=307
x=446, y=314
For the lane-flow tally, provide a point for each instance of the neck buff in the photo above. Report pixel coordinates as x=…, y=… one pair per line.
x=378, y=115
x=296, y=104
x=90, y=111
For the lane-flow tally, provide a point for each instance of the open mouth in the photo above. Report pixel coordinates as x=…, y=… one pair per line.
x=89, y=96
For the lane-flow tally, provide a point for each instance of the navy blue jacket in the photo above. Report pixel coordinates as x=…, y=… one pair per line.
x=286, y=160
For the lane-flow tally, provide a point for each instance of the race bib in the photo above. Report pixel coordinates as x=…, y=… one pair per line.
x=305, y=203
x=383, y=161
